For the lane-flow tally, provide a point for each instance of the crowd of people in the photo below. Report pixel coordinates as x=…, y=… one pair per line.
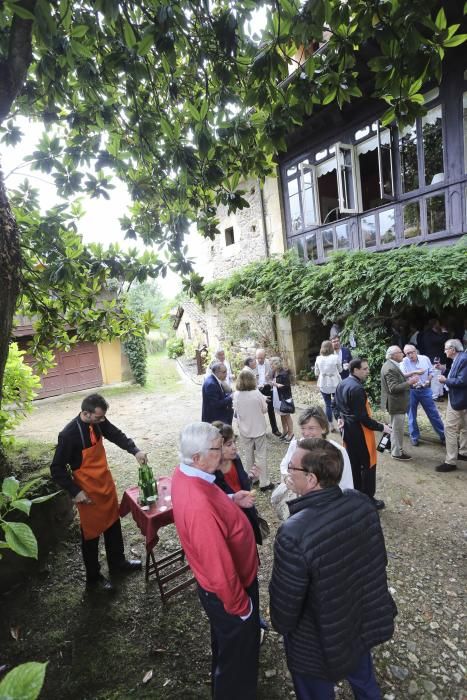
x=328, y=593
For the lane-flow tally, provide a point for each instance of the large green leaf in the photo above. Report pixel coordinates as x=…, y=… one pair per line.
x=23, y=682
x=23, y=504
x=42, y=499
x=20, y=538
x=10, y=486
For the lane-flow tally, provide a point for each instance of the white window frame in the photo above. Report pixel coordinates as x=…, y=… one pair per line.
x=307, y=168
x=343, y=205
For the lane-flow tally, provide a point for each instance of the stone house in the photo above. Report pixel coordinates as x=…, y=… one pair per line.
x=348, y=183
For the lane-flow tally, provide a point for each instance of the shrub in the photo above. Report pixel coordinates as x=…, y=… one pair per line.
x=20, y=386
x=135, y=348
x=175, y=347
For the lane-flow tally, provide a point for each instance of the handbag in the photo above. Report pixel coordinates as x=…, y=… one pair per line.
x=263, y=527
x=287, y=406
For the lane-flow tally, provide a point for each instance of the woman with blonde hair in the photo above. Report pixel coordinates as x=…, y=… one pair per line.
x=249, y=407
x=327, y=369
x=281, y=394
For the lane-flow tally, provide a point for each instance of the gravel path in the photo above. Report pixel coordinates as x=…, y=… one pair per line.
x=425, y=529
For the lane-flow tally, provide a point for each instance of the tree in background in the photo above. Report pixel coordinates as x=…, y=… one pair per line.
x=159, y=94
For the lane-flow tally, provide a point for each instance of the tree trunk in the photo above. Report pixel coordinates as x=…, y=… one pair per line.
x=10, y=271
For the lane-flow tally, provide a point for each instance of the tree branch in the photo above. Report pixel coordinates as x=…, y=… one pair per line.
x=14, y=69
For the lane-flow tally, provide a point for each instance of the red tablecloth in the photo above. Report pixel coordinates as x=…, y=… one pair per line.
x=159, y=515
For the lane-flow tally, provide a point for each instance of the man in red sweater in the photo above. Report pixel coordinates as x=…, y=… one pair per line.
x=220, y=547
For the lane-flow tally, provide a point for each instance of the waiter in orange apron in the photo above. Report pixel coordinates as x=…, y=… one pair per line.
x=353, y=409
x=80, y=467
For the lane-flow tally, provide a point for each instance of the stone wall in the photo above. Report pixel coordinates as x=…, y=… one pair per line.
x=218, y=259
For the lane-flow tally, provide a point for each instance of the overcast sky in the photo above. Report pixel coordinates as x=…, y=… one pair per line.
x=101, y=221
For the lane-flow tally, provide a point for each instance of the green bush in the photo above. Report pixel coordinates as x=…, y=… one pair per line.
x=175, y=347
x=20, y=386
x=135, y=348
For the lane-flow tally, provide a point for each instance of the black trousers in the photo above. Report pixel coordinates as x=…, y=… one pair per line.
x=114, y=550
x=364, y=477
x=235, y=648
x=266, y=390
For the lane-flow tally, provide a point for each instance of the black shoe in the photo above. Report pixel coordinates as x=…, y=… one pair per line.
x=100, y=584
x=126, y=566
x=404, y=457
x=442, y=441
x=463, y=458
x=445, y=467
x=283, y=436
x=277, y=433
x=269, y=487
x=379, y=505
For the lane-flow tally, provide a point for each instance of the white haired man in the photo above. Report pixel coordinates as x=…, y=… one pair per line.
x=220, y=547
x=456, y=412
x=395, y=398
x=420, y=393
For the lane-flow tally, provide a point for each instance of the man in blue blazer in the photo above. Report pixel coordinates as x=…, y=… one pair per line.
x=217, y=401
x=455, y=426
x=344, y=355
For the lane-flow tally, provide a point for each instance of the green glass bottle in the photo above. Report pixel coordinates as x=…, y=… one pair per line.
x=142, y=486
x=151, y=487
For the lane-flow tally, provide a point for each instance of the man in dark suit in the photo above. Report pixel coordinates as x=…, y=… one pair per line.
x=456, y=412
x=217, y=402
x=344, y=355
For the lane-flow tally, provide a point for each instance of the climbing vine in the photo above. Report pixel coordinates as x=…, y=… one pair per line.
x=361, y=287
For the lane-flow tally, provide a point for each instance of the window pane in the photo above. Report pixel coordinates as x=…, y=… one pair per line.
x=327, y=237
x=369, y=231
x=300, y=248
x=387, y=226
x=367, y=153
x=292, y=170
x=411, y=220
x=342, y=236
x=346, y=178
x=311, y=247
x=436, y=213
x=432, y=130
x=294, y=204
x=409, y=161
x=309, y=211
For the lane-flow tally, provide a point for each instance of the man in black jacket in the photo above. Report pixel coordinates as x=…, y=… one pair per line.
x=354, y=412
x=329, y=592
x=80, y=467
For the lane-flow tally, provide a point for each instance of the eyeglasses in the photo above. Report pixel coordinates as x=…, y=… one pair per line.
x=291, y=468
x=215, y=449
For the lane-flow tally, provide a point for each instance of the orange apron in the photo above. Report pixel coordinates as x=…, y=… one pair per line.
x=95, y=479
x=370, y=441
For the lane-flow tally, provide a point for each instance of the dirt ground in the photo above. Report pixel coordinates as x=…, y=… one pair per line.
x=102, y=649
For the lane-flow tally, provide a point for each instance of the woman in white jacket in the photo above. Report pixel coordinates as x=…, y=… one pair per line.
x=249, y=406
x=313, y=424
x=327, y=370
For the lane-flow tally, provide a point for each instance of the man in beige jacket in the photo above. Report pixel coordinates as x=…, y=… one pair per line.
x=395, y=398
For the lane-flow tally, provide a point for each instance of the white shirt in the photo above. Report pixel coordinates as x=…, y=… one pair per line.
x=346, y=481
x=261, y=371
x=422, y=362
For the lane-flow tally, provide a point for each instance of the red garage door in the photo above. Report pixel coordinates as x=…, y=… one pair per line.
x=75, y=370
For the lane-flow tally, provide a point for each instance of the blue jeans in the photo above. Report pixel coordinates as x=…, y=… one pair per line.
x=425, y=398
x=327, y=398
x=362, y=681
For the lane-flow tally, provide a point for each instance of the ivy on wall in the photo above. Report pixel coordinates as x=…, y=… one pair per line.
x=361, y=287
x=135, y=348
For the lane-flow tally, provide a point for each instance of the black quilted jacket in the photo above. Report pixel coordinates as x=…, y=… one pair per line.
x=329, y=594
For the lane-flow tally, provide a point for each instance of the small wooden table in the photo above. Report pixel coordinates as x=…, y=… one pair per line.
x=149, y=521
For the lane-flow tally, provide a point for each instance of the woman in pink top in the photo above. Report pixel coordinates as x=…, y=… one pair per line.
x=249, y=406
